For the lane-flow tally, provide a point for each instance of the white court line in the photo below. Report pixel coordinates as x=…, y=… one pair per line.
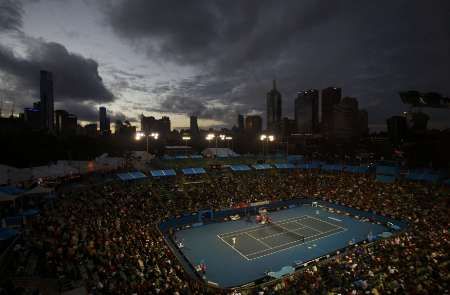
x=255, y=228
x=344, y=229
x=265, y=244
x=326, y=232
x=282, y=233
x=233, y=248
x=258, y=227
x=326, y=222
x=313, y=229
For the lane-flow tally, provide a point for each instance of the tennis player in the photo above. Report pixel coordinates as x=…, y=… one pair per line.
x=234, y=241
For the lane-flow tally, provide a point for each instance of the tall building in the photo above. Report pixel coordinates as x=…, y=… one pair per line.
x=32, y=117
x=345, y=119
x=307, y=111
x=65, y=123
x=240, y=122
x=331, y=96
x=253, y=124
x=193, y=127
x=418, y=121
x=363, y=122
x=273, y=108
x=125, y=129
x=47, y=102
x=288, y=126
x=397, y=128
x=150, y=125
x=104, y=121
x=91, y=130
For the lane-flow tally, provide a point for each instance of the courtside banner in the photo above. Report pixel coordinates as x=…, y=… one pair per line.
x=241, y=205
x=260, y=203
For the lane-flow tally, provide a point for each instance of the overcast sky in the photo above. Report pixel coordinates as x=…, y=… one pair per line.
x=215, y=59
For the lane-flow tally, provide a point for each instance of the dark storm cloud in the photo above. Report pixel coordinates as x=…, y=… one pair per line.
x=10, y=15
x=77, y=83
x=83, y=111
x=75, y=77
x=86, y=111
x=371, y=49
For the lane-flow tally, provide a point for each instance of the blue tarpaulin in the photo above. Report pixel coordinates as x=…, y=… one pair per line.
x=284, y=166
x=163, y=173
x=193, y=171
x=196, y=157
x=181, y=157
x=133, y=175
x=240, y=167
x=424, y=175
x=309, y=166
x=356, y=169
x=261, y=166
x=332, y=167
x=387, y=170
x=385, y=178
x=14, y=220
x=7, y=233
x=30, y=212
x=10, y=190
x=295, y=159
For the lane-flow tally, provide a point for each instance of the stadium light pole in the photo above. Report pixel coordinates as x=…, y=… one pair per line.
x=266, y=138
x=186, y=139
x=228, y=139
x=139, y=135
x=222, y=138
x=210, y=137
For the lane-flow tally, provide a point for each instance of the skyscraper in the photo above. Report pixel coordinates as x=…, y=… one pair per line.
x=193, y=127
x=273, y=108
x=240, y=122
x=331, y=96
x=65, y=123
x=104, y=121
x=307, y=111
x=345, y=119
x=47, y=103
x=397, y=128
x=253, y=124
x=150, y=125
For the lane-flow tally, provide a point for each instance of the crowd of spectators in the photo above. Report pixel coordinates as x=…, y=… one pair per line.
x=106, y=235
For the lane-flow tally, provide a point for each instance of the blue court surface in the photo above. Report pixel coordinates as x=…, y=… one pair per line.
x=297, y=235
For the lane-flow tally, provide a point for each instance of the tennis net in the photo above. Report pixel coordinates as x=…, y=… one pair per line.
x=282, y=229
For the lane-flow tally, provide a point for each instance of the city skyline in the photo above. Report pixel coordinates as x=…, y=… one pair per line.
x=194, y=71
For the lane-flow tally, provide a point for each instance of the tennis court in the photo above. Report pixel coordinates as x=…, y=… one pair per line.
x=296, y=236
x=263, y=240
